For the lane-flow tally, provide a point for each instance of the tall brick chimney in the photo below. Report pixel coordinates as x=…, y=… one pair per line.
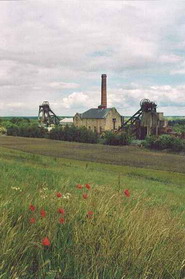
x=103, y=91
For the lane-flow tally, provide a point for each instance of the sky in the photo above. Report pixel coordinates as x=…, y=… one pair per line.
x=56, y=51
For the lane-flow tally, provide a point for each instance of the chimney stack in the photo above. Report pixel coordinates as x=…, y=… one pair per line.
x=103, y=91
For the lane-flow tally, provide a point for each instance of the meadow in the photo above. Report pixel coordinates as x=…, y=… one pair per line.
x=66, y=214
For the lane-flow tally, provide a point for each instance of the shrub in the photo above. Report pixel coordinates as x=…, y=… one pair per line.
x=72, y=133
x=32, y=131
x=111, y=138
x=19, y=120
x=165, y=142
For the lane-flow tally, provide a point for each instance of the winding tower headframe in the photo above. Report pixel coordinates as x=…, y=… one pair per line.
x=148, y=106
x=145, y=106
x=46, y=116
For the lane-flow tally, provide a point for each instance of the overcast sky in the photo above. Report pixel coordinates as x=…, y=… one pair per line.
x=57, y=51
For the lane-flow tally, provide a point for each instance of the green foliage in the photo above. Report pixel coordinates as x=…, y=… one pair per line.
x=72, y=133
x=165, y=142
x=26, y=130
x=24, y=127
x=19, y=121
x=178, y=125
x=179, y=128
x=176, y=122
x=111, y=138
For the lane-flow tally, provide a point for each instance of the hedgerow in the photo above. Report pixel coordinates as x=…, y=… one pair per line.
x=165, y=142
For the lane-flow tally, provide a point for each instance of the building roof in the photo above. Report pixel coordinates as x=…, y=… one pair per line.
x=66, y=120
x=95, y=113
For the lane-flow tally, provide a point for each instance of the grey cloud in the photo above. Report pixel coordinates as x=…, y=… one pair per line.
x=48, y=48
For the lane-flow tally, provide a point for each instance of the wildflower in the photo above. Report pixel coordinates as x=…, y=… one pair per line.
x=61, y=211
x=79, y=186
x=88, y=186
x=46, y=242
x=66, y=196
x=59, y=195
x=32, y=207
x=43, y=213
x=32, y=220
x=127, y=193
x=61, y=220
x=16, y=188
x=43, y=196
x=85, y=196
x=90, y=214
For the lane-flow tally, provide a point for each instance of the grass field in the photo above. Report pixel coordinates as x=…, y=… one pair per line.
x=103, y=235
x=116, y=155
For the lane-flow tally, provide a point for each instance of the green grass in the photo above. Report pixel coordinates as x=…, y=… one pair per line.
x=125, y=155
x=133, y=238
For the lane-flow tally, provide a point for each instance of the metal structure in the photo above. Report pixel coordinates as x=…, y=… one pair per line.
x=46, y=116
x=146, y=106
x=134, y=123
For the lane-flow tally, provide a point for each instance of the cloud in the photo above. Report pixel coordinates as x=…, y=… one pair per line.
x=63, y=85
x=56, y=51
x=179, y=70
x=169, y=99
x=170, y=59
x=127, y=101
x=78, y=100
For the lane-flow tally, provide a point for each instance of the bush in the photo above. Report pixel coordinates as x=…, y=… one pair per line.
x=111, y=138
x=176, y=122
x=165, y=142
x=19, y=120
x=72, y=133
x=179, y=128
x=32, y=131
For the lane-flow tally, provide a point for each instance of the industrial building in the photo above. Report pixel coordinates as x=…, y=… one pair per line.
x=102, y=118
x=145, y=122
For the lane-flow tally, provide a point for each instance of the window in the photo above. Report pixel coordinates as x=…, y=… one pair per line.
x=114, y=123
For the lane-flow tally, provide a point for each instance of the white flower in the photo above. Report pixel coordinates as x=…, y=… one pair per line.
x=66, y=196
x=16, y=188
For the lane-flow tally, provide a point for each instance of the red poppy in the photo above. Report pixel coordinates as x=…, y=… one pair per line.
x=32, y=220
x=43, y=213
x=59, y=195
x=79, y=186
x=61, y=220
x=127, y=193
x=90, y=214
x=85, y=196
x=88, y=186
x=32, y=207
x=61, y=211
x=46, y=242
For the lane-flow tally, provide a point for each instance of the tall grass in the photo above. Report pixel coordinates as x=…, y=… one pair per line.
x=132, y=237
x=123, y=238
